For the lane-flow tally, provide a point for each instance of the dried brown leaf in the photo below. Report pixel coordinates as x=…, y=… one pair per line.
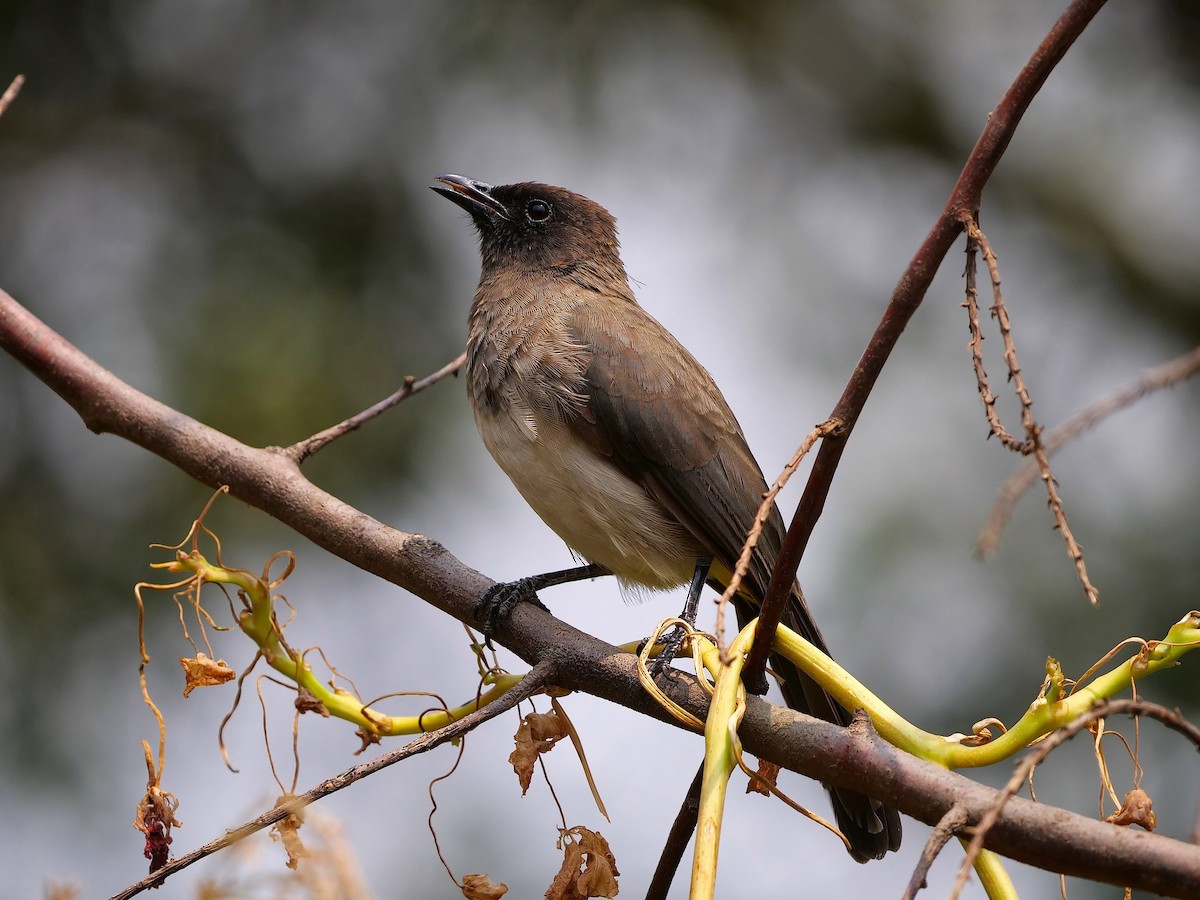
x=204, y=671
x=306, y=701
x=539, y=732
x=769, y=773
x=480, y=887
x=287, y=831
x=589, y=868
x=368, y=738
x=1136, y=810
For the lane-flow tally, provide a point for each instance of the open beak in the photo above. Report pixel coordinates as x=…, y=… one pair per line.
x=473, y=196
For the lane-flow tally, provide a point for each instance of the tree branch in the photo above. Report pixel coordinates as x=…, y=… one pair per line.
x=266, y=479
x=909, y=292
x=1033, y=833
x=302, y=450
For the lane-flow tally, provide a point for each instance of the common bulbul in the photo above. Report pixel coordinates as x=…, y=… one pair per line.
x=614, y=433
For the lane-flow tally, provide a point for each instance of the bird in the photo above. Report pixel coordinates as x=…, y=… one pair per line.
x=616, y=436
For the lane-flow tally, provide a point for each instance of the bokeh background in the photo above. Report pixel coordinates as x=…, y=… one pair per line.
x=225, y=203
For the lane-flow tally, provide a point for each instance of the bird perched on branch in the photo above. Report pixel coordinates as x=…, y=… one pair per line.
x=614, y=433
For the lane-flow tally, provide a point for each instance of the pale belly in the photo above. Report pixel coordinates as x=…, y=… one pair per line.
x=599, y=512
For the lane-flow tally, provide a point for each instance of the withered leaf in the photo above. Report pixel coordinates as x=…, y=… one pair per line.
x=1136, y=810
x=204, y=671
x=589, y=868
x=480, y=887
x=539, y=732
x=287, y=831
x=769, y=772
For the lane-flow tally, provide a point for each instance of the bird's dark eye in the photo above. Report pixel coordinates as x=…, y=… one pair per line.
x=537, y=210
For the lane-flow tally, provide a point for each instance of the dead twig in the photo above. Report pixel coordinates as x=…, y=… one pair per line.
x=534, y=681
x=971, y=303
x=302, y=450
x=1163, y=376
x=760, y=518
x=1033, y=431
x=954, y=819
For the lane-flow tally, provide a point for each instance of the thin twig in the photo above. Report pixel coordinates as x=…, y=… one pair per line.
x=971, y=303
x=907, y=296
x=678, y=839
x=302, y=450
x=533, y=682
x=1163, y=376
x=10, y=94
x=1074, y=550
x=760, y=518
x=1169, y=717
x=999, y=312
x=954, y=819
x=1033, y=431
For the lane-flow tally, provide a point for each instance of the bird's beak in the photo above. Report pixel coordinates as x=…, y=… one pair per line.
x=473, y=196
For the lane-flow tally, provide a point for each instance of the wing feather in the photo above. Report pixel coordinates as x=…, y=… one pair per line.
x=665, y=423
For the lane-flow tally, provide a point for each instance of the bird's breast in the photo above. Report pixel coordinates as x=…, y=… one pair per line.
x=602, y=514
x=521, y=354
x=527, y=380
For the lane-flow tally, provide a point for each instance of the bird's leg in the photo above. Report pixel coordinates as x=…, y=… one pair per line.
x=691, y=606
x=498, y=600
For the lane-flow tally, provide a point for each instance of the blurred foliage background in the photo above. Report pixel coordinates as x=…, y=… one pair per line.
x=225, y=203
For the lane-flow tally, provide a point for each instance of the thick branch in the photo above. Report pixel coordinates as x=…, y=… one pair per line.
x=266, y=479
x=909, y=293
x=1037, y=834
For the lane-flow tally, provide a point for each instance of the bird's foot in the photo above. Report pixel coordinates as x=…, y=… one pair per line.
x=498, y=602
x=671, y=643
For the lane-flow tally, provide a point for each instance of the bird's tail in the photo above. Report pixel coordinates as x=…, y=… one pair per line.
x=871, y=828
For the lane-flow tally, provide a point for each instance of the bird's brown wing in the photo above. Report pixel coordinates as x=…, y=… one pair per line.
x=666, y=425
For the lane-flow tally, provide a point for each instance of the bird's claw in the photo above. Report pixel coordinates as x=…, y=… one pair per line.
x=499, y=600
x=671, y=644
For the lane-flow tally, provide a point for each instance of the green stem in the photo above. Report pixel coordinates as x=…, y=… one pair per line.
x=258, y=623
x=1048, y=712
x=720, y=732
x=992, y=875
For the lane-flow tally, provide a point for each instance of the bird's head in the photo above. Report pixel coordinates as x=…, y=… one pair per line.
x=535, y=226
